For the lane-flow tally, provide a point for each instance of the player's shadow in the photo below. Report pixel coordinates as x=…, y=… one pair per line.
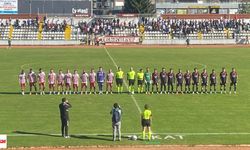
x=35, y=133
x=97, y=137
x=7, y=93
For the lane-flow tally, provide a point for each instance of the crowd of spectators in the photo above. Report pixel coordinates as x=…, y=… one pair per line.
x=111, y=26
x=52, y=24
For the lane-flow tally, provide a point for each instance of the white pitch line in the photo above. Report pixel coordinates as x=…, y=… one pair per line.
x=132, y=96
x=99, y=134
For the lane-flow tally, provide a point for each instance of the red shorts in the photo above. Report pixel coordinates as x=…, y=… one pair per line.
x=60, y=84
x=84, y=84
x=32, y=83
x=109, y=83
x=67, y=84
x=22, y=84
x=92, y=84
x=53, y=84
x=41, y=83
x=75, y=85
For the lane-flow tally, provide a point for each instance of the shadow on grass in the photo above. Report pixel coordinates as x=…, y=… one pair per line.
x=11, y=93
x=91, y=137
x=36, y=133
x=97, y=137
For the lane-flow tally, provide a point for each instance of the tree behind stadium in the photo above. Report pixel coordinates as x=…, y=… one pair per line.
x=139, y=6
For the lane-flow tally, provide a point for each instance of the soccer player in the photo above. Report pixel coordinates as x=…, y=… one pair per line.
x=119, y=80
x=187, y=77
x=213, y=81
x=92, y=79
x=147, y=78
x=41, y=79
x=84, y=77
x=75, y=80
x=179, y=78
x=233, y=78
x=52, y=81
x=146, y=119
x=68, y=79
x=60, y=82
x=163, y=78
x=195, y=78
x=171, y=81
x=155, y=81
x=140, y=79
x=223, y=80
x=22, y=81
x=131, y=80
x=32, y=81
x=110, y=79
x=100, y=75
x=204, y=77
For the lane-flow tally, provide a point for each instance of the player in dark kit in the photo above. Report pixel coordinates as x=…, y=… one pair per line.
x=163, y=78
x=171, y=81
x=179, y=78
x=64, y=113
x=233, y=78
x=212, y=81
x=223, y=80
x=204, y=77
x=195, y=78
x=155, y=81
x=187, y=77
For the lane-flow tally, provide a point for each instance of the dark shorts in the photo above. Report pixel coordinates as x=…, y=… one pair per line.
x=65, y=122
x=163, y=83
x=140, y=82
x=179, y=83
x=155, y=83
x=212, y=84
x=233, y=83
x=187, y=83
x=145, y=123
x=223, y=82
x=204, y=84
x=131, y=82
x=195, y=83
x=119, y=81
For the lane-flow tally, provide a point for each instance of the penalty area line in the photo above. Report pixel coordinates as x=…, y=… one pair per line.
x=115, y=64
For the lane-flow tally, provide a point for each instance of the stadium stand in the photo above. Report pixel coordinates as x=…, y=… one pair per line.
x=153, y=28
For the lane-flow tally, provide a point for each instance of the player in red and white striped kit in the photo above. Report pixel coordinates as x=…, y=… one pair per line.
x=68, y=79
x=52, y=81
x=84, y=78
x=92, y=80
x=60, y=82
x=22, y=81
x=110, y=78
x=75, y=80
x=32, y=81
x=41, y=79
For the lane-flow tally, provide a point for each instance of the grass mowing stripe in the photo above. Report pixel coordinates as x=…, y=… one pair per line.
x=132, y=96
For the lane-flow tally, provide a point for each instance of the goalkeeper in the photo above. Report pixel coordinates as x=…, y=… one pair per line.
x=147, y=78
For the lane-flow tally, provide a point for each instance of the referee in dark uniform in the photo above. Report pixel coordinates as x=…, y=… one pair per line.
x=64, y=113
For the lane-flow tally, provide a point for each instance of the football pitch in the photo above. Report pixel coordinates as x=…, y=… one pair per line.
x=33, y=120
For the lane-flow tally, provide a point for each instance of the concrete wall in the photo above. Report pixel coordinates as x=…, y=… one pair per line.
x=207, y=42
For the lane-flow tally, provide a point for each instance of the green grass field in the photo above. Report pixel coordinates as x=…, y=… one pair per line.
x=200, y=119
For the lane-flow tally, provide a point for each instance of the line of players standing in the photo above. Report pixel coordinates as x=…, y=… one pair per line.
x=63, y=82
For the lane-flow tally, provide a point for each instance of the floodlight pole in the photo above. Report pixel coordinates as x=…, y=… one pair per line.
x=91, y=8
